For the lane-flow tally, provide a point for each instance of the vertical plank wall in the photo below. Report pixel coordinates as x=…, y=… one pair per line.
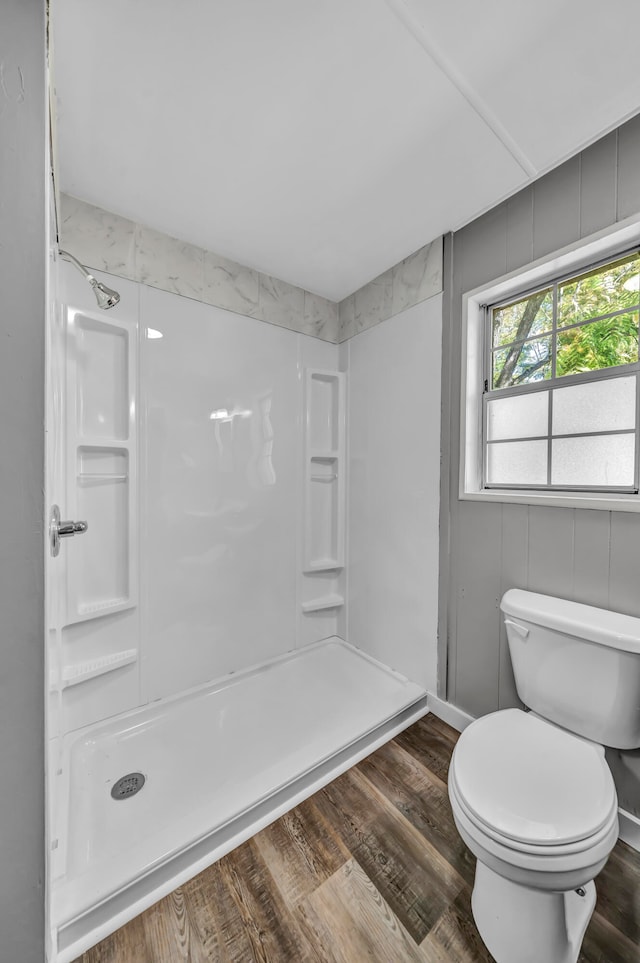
x=23, y=232
x=587, y=555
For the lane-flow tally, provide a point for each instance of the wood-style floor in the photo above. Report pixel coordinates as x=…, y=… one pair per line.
x=370, y=869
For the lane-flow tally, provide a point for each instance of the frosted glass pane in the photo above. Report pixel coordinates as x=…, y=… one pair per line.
x=518, y=417
x=517, y=463
x=598, y=406
x=600, y=460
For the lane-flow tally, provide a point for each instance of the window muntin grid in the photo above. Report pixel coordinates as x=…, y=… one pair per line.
x=547, y=378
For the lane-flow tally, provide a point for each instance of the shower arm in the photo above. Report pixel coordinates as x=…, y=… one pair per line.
x=105, y=296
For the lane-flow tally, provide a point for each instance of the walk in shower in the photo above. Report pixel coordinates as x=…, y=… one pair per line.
x=206, y=671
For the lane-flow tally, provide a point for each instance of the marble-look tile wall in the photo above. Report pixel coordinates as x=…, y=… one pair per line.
x=107, y=242
x=415, y=279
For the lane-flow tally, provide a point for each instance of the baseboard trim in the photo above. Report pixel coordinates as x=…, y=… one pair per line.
x=449, y=713
x=459, y=719
x=629, y=829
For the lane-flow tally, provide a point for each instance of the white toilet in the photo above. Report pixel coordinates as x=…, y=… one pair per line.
x=531, y=793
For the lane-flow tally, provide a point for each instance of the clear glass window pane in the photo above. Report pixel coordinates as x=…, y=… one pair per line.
x=523, y=319
x=596, y=406
x=517, y=463
x=596, y=460
x=609, y=288
x=519, y=416
x=601, y=344
x=522, y=363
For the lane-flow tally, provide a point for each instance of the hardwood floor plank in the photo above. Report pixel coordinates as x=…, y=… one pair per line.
x=410, y=874
x=302, y=851
x=446, y=731
x=423, y=799
x=126, y=944
x=272, y=934
x=430, y=742
x=349, y=920
x=170, y=931
x=454, y=938
x=603, y=943
x=216, y=916
x=618, y=888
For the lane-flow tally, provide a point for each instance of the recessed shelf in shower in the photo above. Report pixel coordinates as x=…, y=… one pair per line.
x=324, y=472
x=101, y=450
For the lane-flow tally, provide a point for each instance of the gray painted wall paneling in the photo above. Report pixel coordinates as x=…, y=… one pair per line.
x=22, y=281
x=591, y=556
x=598, y=185
x=624, y=563
x=514, y=573
x=556, y=208
x=477, y=542
x=591, y=534
x=520, y=229
x=628, y=186
x=551, y=569
x=444, y=649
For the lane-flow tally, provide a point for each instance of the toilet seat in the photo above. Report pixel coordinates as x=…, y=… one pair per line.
x=519, y=851
x=544, y=868
x=531, y=786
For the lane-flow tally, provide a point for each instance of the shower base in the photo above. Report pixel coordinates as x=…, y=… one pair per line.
x=219, y=763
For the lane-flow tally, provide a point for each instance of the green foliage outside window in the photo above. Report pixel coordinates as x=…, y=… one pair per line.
x=596, y=326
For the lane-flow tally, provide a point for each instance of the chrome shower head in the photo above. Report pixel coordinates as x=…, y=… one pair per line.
x=105, y=296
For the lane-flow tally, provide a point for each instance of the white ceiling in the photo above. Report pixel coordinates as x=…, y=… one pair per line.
x=321, y=141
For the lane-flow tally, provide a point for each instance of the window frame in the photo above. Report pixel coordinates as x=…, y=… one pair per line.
x=590, y=253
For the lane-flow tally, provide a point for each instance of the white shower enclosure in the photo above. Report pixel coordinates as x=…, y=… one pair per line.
x=199, y=633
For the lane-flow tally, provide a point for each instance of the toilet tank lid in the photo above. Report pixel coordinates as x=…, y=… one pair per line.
x=614, y=629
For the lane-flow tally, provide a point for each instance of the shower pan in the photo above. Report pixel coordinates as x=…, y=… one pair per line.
x=199, y=681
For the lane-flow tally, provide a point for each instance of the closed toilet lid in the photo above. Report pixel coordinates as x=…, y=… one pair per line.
x=532, y=782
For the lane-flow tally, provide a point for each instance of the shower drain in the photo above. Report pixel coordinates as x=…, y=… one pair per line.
x=127, y=785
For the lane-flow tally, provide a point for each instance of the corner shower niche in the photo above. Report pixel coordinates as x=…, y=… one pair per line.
x=100, y=454
x=324, y=494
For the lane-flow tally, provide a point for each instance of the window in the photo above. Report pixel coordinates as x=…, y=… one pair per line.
x=550, y=389
x=561, y=385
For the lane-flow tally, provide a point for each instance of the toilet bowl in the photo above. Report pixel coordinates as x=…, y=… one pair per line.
x=531, y=793
x=537, y=807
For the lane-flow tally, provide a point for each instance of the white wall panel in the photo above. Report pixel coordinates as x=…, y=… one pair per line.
x=221, y=406
x=394, y=436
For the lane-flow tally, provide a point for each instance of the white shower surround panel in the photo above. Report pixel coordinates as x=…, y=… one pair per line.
x=393, y=500
x=209, y=755
x=220, y=402
x=221, y=399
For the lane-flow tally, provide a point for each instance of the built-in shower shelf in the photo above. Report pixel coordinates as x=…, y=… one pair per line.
x=323, y=455
x=94, y=609
x=323, y=565
x=83, y=671
x=105, y=476
x=332, y=601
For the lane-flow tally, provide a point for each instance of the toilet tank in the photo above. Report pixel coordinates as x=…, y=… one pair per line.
x=576, y=665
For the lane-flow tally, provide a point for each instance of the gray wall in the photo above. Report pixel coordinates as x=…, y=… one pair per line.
x=586, y=555
x=22, y=282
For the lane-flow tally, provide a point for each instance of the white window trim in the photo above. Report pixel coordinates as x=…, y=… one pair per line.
x=575, y=256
